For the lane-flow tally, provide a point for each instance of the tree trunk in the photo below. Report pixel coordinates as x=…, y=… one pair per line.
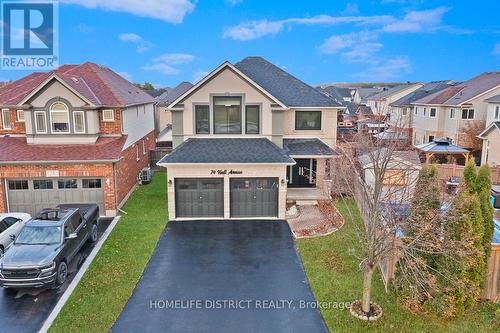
x=367, y=287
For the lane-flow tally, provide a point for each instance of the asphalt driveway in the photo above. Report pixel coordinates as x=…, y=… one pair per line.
x=26, y=310
x=221, y=276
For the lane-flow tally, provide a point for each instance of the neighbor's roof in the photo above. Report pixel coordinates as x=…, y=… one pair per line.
x=386, y=92
x=494, y=99
x=165, y=134
x=456, y=95
x=391, y=135
x=307, y=147
x=364, y=93
x=426, y=90
x=493, y=125
x=227, y=150
x=17, y=150
x=410, y=156
x=171, y=95
x=441, y=146
x=282, y=85
x=97, y=84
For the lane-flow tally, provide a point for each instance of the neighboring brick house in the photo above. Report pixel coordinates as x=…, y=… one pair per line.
x=80, y=133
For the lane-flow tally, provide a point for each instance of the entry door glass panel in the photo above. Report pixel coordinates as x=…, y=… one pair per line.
x=254, y=197
x=303, y=173
x=199, y=197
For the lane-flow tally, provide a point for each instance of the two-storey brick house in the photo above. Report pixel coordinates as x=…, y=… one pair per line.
x=80, y=133
x=243, y=136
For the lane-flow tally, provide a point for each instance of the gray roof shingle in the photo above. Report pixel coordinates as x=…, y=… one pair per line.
x=426, y=90
x=171, y=95
x=494, y=99
x=307, y=147
x=282, y=85
x=227, y=150
x=386, y=92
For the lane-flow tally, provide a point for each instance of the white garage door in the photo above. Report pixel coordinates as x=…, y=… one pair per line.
x=32, y=195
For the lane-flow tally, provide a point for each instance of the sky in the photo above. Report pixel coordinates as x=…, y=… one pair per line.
x=319, y=41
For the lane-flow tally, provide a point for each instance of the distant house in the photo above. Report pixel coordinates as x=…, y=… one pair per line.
x=163, y=117
x=458, y=112
x=401, y=110
x=491, y=145
x=380, y=101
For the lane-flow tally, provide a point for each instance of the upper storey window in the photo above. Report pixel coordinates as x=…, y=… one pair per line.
x=227, y=115
x=59, y=117
x=307, y=120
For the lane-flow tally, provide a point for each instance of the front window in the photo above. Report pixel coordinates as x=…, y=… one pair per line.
x=307, y=120
x=227, y=115
x=252, y=119
x=202, y=116
x=497, y=112
x=432, y=113
x=40, y=122
x=59, y=118
x=20, y=116
x=79, y=121
x=452, y=113
x=468, y=114
x=39, y=235
x=6, y=118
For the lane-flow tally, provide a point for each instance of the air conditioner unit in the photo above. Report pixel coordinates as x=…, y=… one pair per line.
x=145, y=176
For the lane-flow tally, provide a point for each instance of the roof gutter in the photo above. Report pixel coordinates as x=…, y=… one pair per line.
x=165, y=165
x=60, y=162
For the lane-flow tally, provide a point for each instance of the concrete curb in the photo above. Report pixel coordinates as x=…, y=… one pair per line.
x=55, y=312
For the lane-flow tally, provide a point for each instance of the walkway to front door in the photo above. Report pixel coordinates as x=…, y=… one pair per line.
x=223, y=276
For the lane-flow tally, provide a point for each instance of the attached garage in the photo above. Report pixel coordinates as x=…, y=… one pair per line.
x=254, y=197
x=199, y=197
x=33, y=195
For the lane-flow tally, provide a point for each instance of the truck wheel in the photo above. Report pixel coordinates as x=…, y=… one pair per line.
x=94, y=234
x=62, y=273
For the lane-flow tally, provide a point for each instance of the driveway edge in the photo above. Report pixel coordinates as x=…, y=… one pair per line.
x=55, y=312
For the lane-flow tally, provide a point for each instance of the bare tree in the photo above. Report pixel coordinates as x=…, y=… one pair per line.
x=382, y=179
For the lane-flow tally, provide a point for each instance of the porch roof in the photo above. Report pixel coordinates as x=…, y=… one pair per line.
x=227, y=150
x=307, y=147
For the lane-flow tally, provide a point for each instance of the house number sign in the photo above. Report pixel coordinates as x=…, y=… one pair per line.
x=226, y=172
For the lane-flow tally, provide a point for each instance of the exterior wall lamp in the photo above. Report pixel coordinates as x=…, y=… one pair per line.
x=170, y=182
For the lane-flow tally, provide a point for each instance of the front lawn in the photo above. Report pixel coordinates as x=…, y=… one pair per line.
x=107, y=285
x=334, y=276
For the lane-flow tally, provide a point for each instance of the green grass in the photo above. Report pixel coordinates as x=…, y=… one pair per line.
x=107, y=285
x=334, y=276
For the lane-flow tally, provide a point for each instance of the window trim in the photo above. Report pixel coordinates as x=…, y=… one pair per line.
x=37, y=130
x=259, y=108
x=196, y=118
x=108, y=119
x=8, y=127
x=468, y=114
x=242, y=103
x=83, y=120
x=52, y=131
x=430, y=113
x=20, y=111
x=308, y=129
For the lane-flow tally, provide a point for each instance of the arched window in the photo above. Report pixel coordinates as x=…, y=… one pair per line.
x=59, y=117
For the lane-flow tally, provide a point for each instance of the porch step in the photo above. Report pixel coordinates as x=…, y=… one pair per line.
x=306, y=202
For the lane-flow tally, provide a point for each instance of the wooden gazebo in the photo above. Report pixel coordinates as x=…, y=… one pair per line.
x=442, y=147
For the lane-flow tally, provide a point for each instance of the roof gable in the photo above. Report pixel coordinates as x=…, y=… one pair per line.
x=492, y=126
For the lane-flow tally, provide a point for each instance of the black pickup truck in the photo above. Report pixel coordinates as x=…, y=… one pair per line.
x=41, y=253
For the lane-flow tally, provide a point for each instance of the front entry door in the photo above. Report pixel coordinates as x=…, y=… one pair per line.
x=303, y=173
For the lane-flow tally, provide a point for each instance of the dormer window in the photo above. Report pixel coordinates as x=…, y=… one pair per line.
x=59, y=118
x=108, y=115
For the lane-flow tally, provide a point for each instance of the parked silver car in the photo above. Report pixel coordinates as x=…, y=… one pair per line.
x=10, y=226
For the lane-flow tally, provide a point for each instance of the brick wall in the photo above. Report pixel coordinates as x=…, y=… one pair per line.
x=65, y=170
x=111, y=127
x=129, y=167
x=17, y=127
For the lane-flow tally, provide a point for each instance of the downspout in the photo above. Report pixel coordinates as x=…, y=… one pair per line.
x=114, y=186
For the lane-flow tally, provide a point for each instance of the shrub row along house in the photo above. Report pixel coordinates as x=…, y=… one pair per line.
x=247, y=137
x=80, y=133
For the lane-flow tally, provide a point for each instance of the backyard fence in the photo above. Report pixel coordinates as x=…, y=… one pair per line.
x=492, y=285
x=446, y=171
x=156, y=155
